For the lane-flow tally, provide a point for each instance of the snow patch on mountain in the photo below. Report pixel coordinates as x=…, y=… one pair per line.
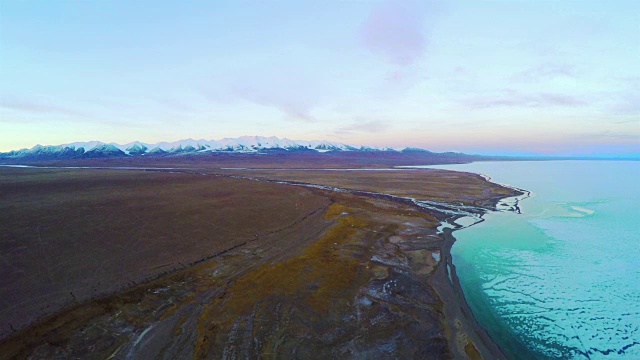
x=240, y=144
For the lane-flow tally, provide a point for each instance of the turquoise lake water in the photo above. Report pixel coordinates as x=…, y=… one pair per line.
x=562, y=279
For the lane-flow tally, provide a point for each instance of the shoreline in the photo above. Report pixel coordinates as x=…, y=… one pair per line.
x=445, y=280
x=463, y=329
x=459, y=317
x=458, y=314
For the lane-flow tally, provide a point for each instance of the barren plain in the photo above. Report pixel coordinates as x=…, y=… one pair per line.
x=201, y=262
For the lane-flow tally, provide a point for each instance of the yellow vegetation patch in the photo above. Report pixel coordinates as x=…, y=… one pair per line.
x=334, y=211
x=471, y=351
x=320, y=266
x=314, y=278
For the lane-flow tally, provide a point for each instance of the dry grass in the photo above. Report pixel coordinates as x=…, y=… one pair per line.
x=70, y=235
x=471, y=351
x=290, y=285
x=312, y=280
x=436, y=185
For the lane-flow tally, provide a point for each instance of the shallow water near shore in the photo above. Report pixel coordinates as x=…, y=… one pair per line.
x=560, y=280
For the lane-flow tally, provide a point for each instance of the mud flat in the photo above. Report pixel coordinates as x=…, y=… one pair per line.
x=355, y=274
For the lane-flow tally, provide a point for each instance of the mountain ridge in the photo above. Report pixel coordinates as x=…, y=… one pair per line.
x=243, y=144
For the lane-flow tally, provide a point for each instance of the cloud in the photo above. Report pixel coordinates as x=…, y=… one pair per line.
x=395, y=31
x=370, y=126
x=36, y=107
x=289, y=89
x=399, y=81
x=173, y=104
x=510, y=98
x=295, y=106
x=42, y=111
x=607, y=134
x=544, y=72
x=626, y=102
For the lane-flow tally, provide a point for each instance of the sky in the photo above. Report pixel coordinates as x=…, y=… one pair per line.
x=488, y=77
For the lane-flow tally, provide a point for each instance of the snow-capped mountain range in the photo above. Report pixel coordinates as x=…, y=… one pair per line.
x=244, y=144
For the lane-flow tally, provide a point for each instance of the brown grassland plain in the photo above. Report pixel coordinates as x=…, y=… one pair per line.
x=421, y=184
x=149, y=264
x=70, y=235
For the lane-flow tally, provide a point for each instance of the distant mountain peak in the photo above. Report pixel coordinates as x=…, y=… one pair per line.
x=413, y=149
